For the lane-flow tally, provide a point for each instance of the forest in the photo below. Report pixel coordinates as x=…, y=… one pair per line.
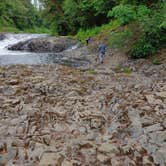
x=139, y=24
x=82, y=82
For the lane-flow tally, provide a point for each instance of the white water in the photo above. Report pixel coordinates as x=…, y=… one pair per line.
x=8, y=57
x=12, y=39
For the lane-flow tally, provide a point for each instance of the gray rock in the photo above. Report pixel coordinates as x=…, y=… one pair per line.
x=152, y=128
x=2, y=36
x=136, y=126
x=161, y=94
x=108, y=148
x=150, y=99
x=49, y=44
x=50, y=159
x=160, y=157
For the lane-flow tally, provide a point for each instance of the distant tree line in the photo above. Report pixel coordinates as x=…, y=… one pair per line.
x=68, y=16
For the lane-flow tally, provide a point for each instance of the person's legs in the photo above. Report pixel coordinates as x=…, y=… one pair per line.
x=101, y=57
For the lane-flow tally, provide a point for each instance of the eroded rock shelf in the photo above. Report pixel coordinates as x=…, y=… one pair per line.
x=56, y=115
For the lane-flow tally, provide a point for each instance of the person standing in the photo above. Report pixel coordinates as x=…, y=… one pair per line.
x=87, y=41
x=101, y=49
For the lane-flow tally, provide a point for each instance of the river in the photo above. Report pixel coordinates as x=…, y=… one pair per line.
x=8, y=57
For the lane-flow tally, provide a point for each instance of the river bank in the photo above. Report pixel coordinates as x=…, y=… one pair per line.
x=57, y=115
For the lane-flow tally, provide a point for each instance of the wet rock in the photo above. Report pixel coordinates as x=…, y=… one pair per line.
x=2, y=36
x=48, y=44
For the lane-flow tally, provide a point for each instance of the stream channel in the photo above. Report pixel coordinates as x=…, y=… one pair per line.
x=8, y=57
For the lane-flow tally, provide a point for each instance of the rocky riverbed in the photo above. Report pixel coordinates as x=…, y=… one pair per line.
x=56, y=115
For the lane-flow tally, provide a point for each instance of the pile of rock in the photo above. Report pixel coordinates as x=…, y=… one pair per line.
x=55, y=115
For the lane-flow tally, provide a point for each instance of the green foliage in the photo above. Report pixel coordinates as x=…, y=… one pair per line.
x=18, y=15
x=126, y=70
x=118, y=39
x=91, y=18
x=153, y=34
x=8, y=29
x=82, y=35
x=156, y=62
x=92, y=71
x=39, y=30
x=123, y=13
x=68, y=16
x=142, y=49
x=106, y=29
x=123, y=69
x=142, y=11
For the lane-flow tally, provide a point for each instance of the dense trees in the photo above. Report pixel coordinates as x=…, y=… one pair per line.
x=88, y=16
x=148, y=16
x=18, y=14
x=70, y=15
x=66, y=17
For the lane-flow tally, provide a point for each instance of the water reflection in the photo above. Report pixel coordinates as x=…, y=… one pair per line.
x=40, y=58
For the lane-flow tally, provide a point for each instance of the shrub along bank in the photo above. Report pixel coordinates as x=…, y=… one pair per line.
x=138, y=29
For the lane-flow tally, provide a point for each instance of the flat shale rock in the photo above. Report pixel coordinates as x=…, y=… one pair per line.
x=56, y=115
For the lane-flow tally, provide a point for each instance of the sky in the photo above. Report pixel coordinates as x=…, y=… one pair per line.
x=36, y=3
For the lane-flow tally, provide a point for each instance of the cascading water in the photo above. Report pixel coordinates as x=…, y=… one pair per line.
x=11, y=39
x=8, y=57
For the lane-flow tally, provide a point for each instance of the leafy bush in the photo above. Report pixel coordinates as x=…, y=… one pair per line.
x=82, y=35
x=124, y=69
x=118, y=39
x=156, y=62
x=105, y=30
x=123, y=13
x=142, y=11
x=153, y=35
x=142, y=49
x=18, y=15
x=92, y=71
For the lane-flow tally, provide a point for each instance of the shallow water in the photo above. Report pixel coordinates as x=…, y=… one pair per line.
x=8, y=57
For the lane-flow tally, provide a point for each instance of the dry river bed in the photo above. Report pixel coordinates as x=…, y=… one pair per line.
x=59, y=116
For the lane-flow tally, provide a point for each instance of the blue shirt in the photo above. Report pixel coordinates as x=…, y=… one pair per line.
x=102, y=48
